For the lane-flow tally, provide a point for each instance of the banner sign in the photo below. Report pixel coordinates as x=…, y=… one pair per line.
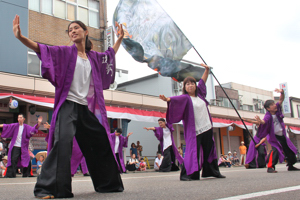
x=286, y=103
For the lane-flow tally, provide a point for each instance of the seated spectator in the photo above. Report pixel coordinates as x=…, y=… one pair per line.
x=133, y=163
x=39, y=164
x=157, y=162
x=223, y=161
x=143, y=165
x=235, y=160
x=229, y=157
x=3, y=164
x=133, y=150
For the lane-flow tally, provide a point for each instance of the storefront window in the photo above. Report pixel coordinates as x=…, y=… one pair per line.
x=46, y=6
x=59, y=9
x=33, y=66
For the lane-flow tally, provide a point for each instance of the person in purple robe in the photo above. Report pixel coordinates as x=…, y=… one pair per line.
x=119, y=142
x=260, y=155
x=273, y=127
x=164, y=133
x=79, y=76
x=18, y=156
x=192, y=108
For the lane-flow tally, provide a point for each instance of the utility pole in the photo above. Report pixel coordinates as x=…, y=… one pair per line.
x=103, y=23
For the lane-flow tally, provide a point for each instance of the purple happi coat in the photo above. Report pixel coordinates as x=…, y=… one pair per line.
x=77, y=159
x=252, y=151
x=267, y=130
x=123, y=142
x=181, y=108
x=11, y=130
x=159, y=134
x=58, y=66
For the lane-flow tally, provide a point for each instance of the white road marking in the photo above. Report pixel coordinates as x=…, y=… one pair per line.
x=263, y=193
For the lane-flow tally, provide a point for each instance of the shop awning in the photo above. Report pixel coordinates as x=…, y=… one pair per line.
x=294, y=129
x=41, y=101
x=124, y=112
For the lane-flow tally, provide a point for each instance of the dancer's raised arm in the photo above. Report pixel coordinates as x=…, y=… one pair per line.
x=206, y=72
x=120, y=33
x=26, y=41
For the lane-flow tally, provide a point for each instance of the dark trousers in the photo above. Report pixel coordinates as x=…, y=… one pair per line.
x=273, y=158
x=260, y=159
x=290, y=156
x=119, y=163
x=209, y=169
x=168, y=162
x=27, y=170
x=15, y=156
x=55, y=178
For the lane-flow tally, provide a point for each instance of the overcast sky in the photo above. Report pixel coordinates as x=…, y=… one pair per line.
x=254, y=43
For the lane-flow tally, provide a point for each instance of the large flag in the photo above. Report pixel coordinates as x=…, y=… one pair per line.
x=151, y=36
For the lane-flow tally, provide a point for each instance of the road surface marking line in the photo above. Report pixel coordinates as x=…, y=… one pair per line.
x=264, y=193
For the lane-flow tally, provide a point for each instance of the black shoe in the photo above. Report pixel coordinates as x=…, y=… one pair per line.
x=86, y=174
x=271, y=170
x=221, y=176
x=185, y=179
x=292, y=168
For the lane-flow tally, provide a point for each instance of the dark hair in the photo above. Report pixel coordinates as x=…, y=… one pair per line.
x=268, y=103
x=21, y=114
x=88, y=43
x=161, y=119
x=142, y=158
x=132, y=144
x=119, y=130
x=189, y=79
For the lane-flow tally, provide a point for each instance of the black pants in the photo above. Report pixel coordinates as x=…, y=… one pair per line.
x=259, y=160
x=290, y=156
x=119, y=163
x=168, y=162
x=209, y=169
x=26, y=171
x=12, y=169
x=55, y=178
x=273, y=158
x=131, y=167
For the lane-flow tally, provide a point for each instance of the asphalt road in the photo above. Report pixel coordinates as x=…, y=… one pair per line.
x=240, y=183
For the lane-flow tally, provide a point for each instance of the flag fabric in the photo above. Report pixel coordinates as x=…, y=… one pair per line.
x=151, y=36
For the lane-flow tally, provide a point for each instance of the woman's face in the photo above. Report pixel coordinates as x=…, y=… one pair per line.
x=190, y=88
x=76, y=33
x=133, y=156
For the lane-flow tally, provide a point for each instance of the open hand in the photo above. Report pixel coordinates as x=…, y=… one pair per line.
x=162, y=97
x=129, y=134
x=147, y=128
x=40, y=119
x=16, y=27
x=278, y=90
x=46, y=125
x=120, y=31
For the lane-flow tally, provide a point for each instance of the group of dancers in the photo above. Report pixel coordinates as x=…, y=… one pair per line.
x=79, y=76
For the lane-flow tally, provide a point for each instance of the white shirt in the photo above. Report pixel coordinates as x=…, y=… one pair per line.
x=19, y=137
x=81, y=81
x=167, y=138
x=277, y=126
x=158, y=161
x=202, y=120
x=117, y=142
x=1, y=147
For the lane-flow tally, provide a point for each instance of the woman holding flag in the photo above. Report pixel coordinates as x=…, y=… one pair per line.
x=191, y=108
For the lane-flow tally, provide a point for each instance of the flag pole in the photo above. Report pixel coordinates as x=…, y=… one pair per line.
x=227, y=97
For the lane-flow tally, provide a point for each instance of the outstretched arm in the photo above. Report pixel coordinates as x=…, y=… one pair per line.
x=120, y=33
x=162, y=97
x=281, y=98
x=260, y=142
x=26, y=41
x=206, y=72
x=149, y=128
x=256, y=121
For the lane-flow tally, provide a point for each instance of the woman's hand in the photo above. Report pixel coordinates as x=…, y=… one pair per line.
x=205, y=66
x=162, y=97
x=16, y=27
x=120, y=31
